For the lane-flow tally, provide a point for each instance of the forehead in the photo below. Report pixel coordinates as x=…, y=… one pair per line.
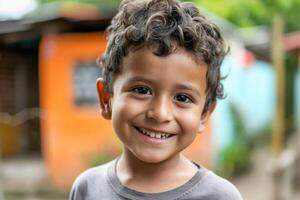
x=149, y=54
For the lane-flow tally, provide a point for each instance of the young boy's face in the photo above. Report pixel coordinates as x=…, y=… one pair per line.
x=157, y=103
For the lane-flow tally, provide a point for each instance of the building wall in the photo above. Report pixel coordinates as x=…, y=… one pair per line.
x=18, y=97
x=7, y=83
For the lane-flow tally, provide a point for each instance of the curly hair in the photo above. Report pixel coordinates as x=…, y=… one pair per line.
x=164, y=25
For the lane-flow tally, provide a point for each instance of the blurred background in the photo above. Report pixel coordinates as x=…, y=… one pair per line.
x=51, y=129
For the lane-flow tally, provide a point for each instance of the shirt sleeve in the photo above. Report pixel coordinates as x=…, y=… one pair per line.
x=221, y=189
x=79, y=190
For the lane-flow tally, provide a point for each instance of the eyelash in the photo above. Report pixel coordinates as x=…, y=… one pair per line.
x=189, y=99
x=138, y=89
x=144, y=90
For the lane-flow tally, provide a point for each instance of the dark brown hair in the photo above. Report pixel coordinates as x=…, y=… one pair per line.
x=164, y=25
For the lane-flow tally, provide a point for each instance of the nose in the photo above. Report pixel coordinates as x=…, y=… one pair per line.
x=160, y=110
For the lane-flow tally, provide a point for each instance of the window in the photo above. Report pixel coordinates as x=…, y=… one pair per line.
x=84, y=80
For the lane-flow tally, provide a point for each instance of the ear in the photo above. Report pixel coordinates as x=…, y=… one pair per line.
x=104, y=99
x=205, y=116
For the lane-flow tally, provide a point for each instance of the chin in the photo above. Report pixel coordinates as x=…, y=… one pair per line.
x=151, y=159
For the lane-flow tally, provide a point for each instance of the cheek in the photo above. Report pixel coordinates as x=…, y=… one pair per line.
x=125, y=109
x=190, y=121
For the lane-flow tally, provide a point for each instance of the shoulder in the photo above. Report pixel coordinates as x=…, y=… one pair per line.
x=219, y=188
x=91, y=175
x=90, y=178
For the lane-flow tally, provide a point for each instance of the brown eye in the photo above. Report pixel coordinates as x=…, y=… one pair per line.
x=183, y=98
x=142, y=90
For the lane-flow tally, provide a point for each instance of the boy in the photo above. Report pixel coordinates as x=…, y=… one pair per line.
x=161, y=78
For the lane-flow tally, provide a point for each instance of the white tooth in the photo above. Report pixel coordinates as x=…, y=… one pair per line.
x=158, y=135
x=145, y=132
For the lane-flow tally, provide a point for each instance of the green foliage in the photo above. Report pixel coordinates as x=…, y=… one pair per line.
x=98, y=3
x=246, y=13
x=101, y=158
x=262, y=137
x=243, y=13
x=290, y=84
x=235, y=159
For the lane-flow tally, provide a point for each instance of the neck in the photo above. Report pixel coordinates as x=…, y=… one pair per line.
x=136, y=167
x=156, y=177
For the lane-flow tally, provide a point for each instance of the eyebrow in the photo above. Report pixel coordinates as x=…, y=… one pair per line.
x=190, y=88
x=141, y=79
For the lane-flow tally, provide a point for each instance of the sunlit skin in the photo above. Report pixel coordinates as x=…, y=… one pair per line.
x=155, y=94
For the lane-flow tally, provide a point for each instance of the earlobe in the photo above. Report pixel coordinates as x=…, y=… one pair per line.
x=204, y=118
x=104, y=99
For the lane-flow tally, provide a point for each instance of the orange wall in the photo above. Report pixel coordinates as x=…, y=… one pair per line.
x=70, y=135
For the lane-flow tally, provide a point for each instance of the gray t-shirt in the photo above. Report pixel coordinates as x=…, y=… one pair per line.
x=102, y=183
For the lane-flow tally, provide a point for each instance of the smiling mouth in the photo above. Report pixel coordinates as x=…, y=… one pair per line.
x=153, y=134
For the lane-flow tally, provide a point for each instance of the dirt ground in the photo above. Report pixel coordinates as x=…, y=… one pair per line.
x=25, y=178
x=258, y=183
